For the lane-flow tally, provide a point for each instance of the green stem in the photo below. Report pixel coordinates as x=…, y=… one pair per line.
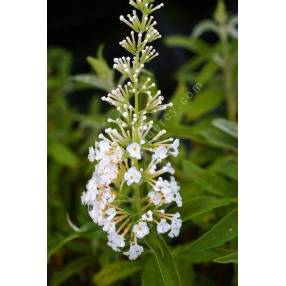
x=227, y=70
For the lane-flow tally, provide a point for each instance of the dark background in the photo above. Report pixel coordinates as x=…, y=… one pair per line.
x=81, y=26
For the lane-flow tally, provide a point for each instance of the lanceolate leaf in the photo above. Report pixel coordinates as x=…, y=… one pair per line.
x=199, y=256
x=207, y=181
x=222, y=232
x=165, y=260
x=116, y=271
x=229, y=258
x=202, y=204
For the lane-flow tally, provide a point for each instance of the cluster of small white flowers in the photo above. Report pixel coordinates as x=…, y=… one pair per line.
x=123, y=150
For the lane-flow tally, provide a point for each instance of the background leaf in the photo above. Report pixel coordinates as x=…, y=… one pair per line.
x=71, y=269
x=226, y=126
x=117, y=271
x=207, y=181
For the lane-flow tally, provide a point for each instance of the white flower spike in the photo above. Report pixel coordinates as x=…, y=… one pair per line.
x=129, y=191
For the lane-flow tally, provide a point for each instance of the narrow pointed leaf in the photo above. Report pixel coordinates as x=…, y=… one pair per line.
x=222, y=232
x=229, y=258
x=226, y=126
x=208, y=182
x=202, y=204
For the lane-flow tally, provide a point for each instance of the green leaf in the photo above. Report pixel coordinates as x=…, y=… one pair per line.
x=204, y=134
x=117, y=271
x=202, y=204
x=186, y=272
x=216, y=138
x=206, y=73
x=94, y=81
x=203, y=27
x=198, y=256
x=207, y=181
x=59, y=244
x=71, y=269
x=150, y=275
x=222, y=232
x=179, y=100
x=204, y=102
x=227, y=126
x=192, y=44
x=165, y=261
x=226, y=166
x=61, y=153
x=100, y=67
x=229, y=258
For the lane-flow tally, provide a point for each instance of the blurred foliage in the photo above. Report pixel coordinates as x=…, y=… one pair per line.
x=204, y=116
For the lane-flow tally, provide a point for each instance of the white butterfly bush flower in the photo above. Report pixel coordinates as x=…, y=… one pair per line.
x=129, y=170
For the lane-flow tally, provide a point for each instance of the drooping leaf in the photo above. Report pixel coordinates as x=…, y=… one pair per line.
x=208, y=182
x=93, y=81
x=70, y=269
x=229, y=258
x=59, y=244
x=226, y=126
x=202, y=204
x=222, y=232
x=117, y=271
x=203, y=27
x=165, y=260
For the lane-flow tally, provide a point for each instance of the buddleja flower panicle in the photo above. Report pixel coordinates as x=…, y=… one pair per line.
x=131, y=152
